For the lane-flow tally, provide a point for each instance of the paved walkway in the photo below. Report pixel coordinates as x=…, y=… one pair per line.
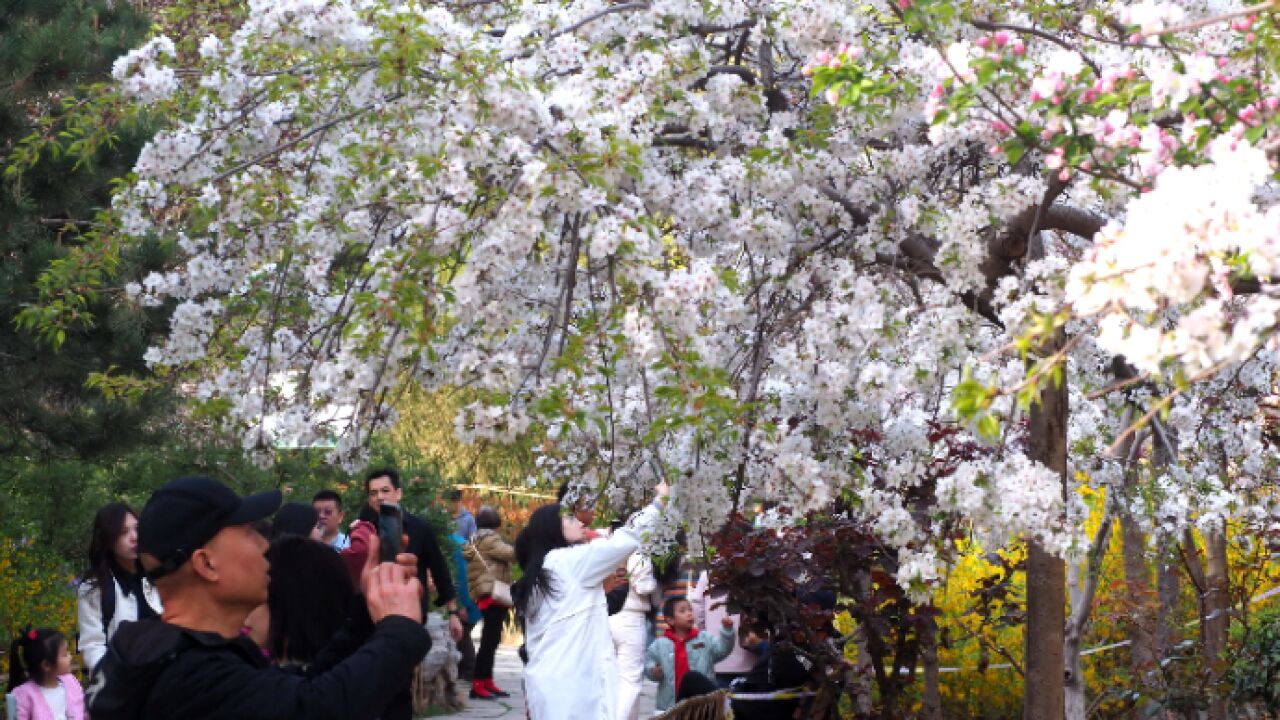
x=507, y=671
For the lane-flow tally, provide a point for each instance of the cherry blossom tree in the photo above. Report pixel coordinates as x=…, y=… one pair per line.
x=759, y=249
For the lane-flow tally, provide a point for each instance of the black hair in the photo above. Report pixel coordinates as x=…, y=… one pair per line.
x=108, y=524
x=294, y=519
x=695, y=684
x=30, y=651
x=521, y=548
x=452, y=494
x=328, y=495
x=387, y=473
x=669, y=606
x=309, y=598
x=488, y=518
x=543, y=534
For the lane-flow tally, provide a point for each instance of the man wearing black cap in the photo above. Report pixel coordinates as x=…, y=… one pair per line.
x=209, y=565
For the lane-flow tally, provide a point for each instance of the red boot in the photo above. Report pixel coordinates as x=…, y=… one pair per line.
x=479, y=691
x=494, y=689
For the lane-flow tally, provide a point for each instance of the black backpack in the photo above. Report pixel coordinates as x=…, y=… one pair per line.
x=107, y=594
x=107, y=607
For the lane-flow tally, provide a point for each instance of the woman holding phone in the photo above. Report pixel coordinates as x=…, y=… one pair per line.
x=562, y=602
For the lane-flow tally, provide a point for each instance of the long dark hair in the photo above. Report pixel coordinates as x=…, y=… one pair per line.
x=309, y=598
x=30, y=651
x=108, y=523
x=542, y=535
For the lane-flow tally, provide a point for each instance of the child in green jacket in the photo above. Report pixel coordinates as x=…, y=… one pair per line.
x=683, y=649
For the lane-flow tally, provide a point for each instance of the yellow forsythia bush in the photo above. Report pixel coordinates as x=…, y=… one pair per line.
x=36, y=589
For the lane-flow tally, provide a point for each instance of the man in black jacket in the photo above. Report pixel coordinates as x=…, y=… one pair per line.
x=199, y=547
x=383, y=485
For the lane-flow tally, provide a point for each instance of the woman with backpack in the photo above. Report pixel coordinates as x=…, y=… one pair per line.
x=489, y=560
x=112, y=589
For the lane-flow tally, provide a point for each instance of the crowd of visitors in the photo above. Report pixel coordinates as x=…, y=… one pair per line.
x=211, y=605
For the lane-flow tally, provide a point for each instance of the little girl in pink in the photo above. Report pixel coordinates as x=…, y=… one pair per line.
x=40, y=677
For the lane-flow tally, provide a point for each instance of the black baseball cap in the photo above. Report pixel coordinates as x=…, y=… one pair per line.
x=294, y=519
x=186, y=513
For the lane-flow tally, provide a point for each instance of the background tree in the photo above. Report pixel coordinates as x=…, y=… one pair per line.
x=639, y=228
x=49, y=49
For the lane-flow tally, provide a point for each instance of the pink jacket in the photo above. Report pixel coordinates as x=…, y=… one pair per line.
x=707, y=613
x=31, y=704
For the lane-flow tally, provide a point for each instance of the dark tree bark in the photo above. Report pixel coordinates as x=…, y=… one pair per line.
x=1143, y=657
x=1217, y=607
x=931, y=705
x=1044, y=688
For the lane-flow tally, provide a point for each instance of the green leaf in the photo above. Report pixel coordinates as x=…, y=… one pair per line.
x=989, y=428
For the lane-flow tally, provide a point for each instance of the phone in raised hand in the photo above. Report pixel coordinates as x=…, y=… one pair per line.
x=390, y=528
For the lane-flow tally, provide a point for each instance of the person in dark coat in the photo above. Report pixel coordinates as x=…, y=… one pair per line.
x=383, y=485
x=198, y=544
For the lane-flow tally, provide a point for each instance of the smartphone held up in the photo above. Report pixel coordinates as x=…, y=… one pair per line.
x=390, y=529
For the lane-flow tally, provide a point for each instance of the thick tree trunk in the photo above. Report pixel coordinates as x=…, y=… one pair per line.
x=860, y=686
x=1217, y=606
x=1143, y=656
x=1150, y=633
x=1169, y=590
x=1043, y=692
x=1210, y=580
x=931, y=706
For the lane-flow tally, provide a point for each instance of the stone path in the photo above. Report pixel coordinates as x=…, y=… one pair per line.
x=507, y=671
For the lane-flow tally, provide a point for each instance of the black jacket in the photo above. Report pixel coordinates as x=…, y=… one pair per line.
x=156, y=670
x=422, y=543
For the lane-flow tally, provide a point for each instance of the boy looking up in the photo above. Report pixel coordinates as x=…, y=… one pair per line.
x=683, y=649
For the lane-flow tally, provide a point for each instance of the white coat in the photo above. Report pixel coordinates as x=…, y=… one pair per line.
x=94, y=637
x=571, y=673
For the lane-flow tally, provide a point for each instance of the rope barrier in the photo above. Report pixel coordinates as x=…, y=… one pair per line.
x=1101, y=648
x=789, y=694
x=506, y=491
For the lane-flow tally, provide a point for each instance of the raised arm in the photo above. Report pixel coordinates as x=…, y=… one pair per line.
x=722, y=642
x=593, y=562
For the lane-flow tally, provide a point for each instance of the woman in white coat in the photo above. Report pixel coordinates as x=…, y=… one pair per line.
x=571, y=673
x=629, y=627
x=112, y=589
